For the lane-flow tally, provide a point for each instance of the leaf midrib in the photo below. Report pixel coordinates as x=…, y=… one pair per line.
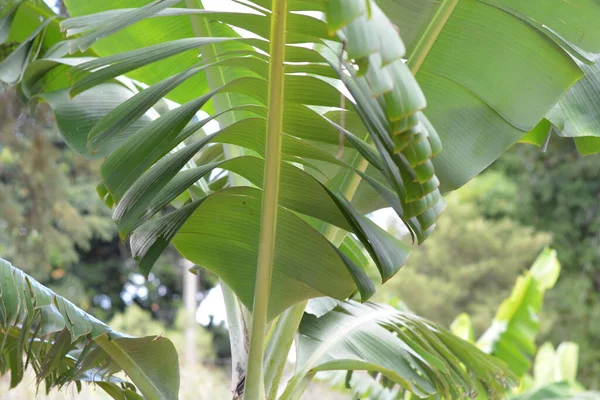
x=431, y=34
x=337, y=336
x=130, y=367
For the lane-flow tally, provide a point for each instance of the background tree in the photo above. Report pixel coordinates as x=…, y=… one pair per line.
x=45, y=194
x=56, y=227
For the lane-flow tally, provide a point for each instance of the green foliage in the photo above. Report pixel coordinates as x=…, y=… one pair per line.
x=557, y=186
x=512, y=335
x=556, y=365
x=559, y=390
x=573, y=308
x=64, y=344
x=512, y=338
x=469, y=265
x=558, y=192
x=555, y=373
x=577, y=114
x=493, y=193
x=485, y=93
x=54, y=224
x=403, y=349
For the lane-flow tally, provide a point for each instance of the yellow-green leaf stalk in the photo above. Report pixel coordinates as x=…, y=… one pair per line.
x=266, y=249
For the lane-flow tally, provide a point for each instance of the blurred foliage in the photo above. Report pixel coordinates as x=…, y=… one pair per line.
x=53, y=223
x=493, y=193
x=49, y=210
x=573, y=307
x=559, y=191
x=469, y=265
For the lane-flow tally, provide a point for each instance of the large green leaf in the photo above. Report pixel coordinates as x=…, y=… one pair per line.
x=511, y=337
x=150, y=159
x=305, y=263
x=408, y=351
x=494, y=71
x=146, y=33
x=64, y=344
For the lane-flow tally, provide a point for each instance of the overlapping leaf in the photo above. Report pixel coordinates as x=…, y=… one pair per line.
x=494, y=71
x=577, y=114
x=385, y=141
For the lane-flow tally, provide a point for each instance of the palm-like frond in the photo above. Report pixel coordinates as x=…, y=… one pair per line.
x=407, y=352
x=511, y=338
x=385, y=151
x=63, y=344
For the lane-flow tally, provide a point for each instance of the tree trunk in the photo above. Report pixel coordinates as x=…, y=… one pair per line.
x=190, y=290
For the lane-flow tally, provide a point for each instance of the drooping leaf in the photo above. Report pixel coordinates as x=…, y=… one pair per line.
x=405, y=349
x=578, y=112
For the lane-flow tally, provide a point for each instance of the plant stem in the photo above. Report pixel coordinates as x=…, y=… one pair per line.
x=288, y=323
x=266, y=248
x=279, y=347
x=287, y=326
x=431, y=34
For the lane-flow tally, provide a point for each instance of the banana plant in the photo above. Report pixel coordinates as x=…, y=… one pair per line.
x=511, y=337
x=320, y=122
